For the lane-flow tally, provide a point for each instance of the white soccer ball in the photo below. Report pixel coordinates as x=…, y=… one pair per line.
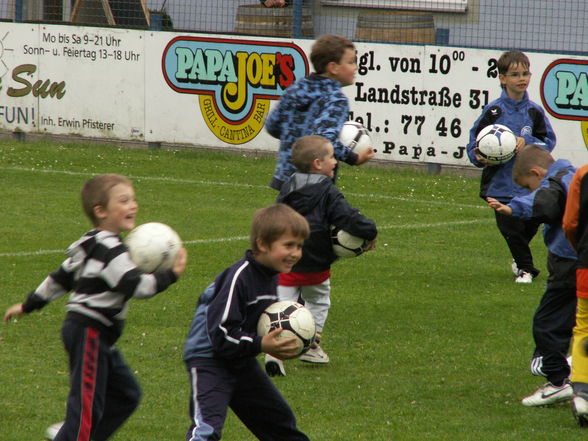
x=347, y=245
x=153, y=246
x=293, y=318
x=355, y=136
x=52, y=431
x=496, y=144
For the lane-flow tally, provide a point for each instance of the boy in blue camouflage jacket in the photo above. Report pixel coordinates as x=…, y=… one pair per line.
x=316, y=105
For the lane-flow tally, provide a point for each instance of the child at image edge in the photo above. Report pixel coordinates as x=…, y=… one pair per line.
x=311, y=192
x=222, y=344
x=528, y=122
x=102, y=279
x=553, y=321
x=575, y=223
x=316, y=105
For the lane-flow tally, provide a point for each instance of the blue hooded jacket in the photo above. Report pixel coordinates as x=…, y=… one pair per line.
x=314, y=105
x=525, y=119
x=547, y=204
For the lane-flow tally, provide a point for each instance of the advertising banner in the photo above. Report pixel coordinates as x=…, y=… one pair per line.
x=417, y=101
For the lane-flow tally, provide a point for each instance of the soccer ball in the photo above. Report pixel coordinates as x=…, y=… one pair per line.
x=355, y=136
x=345, y=244
x=496, y=144
x=52, y=431
x=153, y=246
x=293, y=318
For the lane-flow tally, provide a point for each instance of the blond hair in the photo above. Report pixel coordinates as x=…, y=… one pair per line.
x=308, y=148
x=96, y=192
x=272, y=222
x=530, y=156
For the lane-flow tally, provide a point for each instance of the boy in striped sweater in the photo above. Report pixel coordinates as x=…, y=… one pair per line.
x=102, y=278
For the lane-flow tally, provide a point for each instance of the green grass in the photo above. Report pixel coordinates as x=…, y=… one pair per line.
x=428, y=335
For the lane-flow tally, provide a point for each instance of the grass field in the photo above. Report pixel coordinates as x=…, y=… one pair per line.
x=428, y=335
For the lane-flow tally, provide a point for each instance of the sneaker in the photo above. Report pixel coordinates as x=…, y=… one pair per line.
x=549, y=394
x=274, y=367
x=514, y=267
x=315, y=355
x=580, y=410
x=524, y=277
x=52, y=430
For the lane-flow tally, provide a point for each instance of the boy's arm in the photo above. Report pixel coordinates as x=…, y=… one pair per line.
x=225, y=315
x=341, y=214
x=543, y=133
x=329, y=124
x=53, y=287
x=489, y=116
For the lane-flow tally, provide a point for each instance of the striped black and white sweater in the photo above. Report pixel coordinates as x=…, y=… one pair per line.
x=102, y=279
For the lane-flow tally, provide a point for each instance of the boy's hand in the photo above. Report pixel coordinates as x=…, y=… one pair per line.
x=276, y=346
x=365, y=155
x=370, y=245
x=499, y=206
x=479, y=158
x=180, y=262
x=13, y=311
x=520, y=143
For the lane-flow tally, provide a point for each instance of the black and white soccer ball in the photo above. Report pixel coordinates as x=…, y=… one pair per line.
x=345, y=244
x=153, y=246
x=293, y=318
x=355, y=136
x=496, y=144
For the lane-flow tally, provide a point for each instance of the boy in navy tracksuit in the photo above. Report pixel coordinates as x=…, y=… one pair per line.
x=311, y=192
x=553, y=322
x=222, y=343
x=528, y=122
x=102, y=279
x=316, y=105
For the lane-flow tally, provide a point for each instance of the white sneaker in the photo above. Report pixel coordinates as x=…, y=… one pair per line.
x=315, y=355
x=52, y=430
x=274, y=367
x=580, y=410
x=549, y=394
x=514, y=267
x=524, y=277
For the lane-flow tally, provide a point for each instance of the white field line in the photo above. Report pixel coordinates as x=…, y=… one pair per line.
x=237, y=184
x=237, y=238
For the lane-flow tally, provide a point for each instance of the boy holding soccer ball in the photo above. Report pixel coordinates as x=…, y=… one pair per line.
x=548, y=182
x=102, y=279
x=222, y=344
x=316, y=105
x=311, y=192
x=527, y=121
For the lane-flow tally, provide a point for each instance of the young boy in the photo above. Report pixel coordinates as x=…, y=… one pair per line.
x=316, y=105
x=548, y=181
x=311, y=192
x=528, y=122
x=575, y=222
x=222, y=343
x=102, y=279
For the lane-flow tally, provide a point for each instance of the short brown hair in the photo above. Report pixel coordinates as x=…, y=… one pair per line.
x=328, y=48
x=96, y=192
x=271, y=222
x=308, y=148
x=530, y=156
x=512, y=57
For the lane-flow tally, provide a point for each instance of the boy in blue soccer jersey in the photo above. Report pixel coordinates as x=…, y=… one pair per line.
x=222, y=344
x=102, y=279
x=548, y=182
x=527, y=121
x=316, y=105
